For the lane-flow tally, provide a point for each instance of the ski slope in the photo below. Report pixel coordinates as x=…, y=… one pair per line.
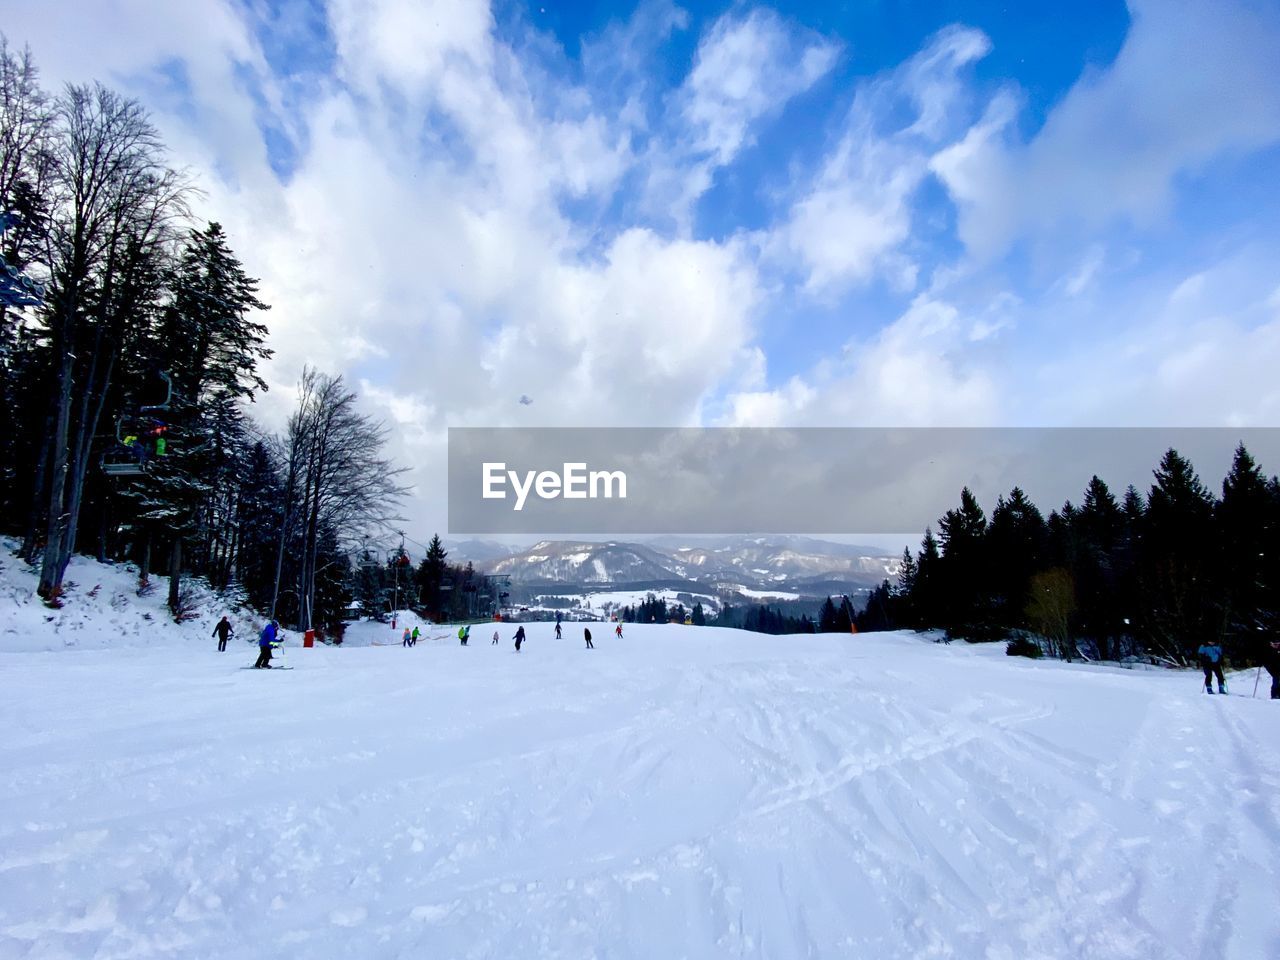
x=684, y=792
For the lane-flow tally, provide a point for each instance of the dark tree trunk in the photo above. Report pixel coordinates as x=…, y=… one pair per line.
x=85, y=430
x=35, y=517
x=51, y=565
x=144, y=568
x=175, y=576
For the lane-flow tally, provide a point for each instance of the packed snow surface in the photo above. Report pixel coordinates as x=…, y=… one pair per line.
x=682, y=792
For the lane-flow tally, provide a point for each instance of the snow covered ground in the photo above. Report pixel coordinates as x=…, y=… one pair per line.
x=768, y=594
x=605, y=602
x=683, y=792
x=103, y=609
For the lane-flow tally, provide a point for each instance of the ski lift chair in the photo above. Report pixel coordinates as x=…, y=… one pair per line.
x=124, y=459
x=122, y=468
x=130, y=459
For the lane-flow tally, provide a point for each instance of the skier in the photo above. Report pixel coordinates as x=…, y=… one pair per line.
x=519, y=638
x=413, y=638
x=222, y=631
x=557, y=629
x=266, y=642
x=1271, y=660
x=617, y=631
x=464, y=633
x=1211, y=662
x=586, y=632
x=496, y=638
x=404, y=640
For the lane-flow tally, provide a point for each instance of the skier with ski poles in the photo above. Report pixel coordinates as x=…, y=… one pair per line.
x=266, y=642
x=617, y=631
x=1211, y=662
x=222, y=631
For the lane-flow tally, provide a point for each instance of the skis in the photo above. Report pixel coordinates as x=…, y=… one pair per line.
x=266, y=668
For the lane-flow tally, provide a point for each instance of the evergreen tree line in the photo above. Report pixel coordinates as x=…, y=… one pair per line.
x=758, y=618
x=436, y=589
x=123, y=387
x=1155, y=575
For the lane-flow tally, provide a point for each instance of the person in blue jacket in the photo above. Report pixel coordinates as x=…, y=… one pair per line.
x=1211, y=662
x=265, y=642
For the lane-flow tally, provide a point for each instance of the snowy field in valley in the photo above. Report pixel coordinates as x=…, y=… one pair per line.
x=600, y=602
x=683, y=792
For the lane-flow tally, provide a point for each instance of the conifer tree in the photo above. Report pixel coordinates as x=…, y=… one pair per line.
x=431, y=574
x=827, y=617
x=963, y=594
x=1014, y=548
x=1099, y=568
x=1246, y=519
x=926, y=589
x=1179, y=591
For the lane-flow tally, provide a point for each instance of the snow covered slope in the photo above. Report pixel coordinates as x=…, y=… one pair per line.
x=102, y=609
x=684, y=792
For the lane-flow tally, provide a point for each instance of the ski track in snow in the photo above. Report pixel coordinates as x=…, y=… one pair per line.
x=684, y=792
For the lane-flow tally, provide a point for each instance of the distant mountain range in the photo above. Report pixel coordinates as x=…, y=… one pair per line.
x=797, y=566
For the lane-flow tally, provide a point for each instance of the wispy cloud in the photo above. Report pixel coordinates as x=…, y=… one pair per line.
x=853, y=218
x=746, y=69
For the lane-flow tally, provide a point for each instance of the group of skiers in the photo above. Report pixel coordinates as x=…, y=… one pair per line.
x=410, y=637
x=1210, y=653
x=1211, y=663
x=268, y=640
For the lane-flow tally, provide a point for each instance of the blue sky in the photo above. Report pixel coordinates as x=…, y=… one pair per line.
x=861, y=213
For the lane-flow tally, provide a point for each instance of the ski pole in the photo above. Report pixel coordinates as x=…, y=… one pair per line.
x=1255, y=681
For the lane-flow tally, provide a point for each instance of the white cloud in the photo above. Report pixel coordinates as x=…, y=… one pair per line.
x=1205, y=356
x=917, y=371
x=1193, y=81
x=746, y=69
x=853, y=219
x=1085, y=275
x=414, y=45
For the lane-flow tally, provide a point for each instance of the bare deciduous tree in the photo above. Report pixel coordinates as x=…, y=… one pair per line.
x=337, y=479
x=113, y=203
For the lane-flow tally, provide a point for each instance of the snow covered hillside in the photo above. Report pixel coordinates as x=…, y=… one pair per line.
x=682, y=792
x=102, y=609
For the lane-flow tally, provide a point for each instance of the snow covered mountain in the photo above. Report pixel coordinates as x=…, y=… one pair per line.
x=793, y=564
x=584, y=562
